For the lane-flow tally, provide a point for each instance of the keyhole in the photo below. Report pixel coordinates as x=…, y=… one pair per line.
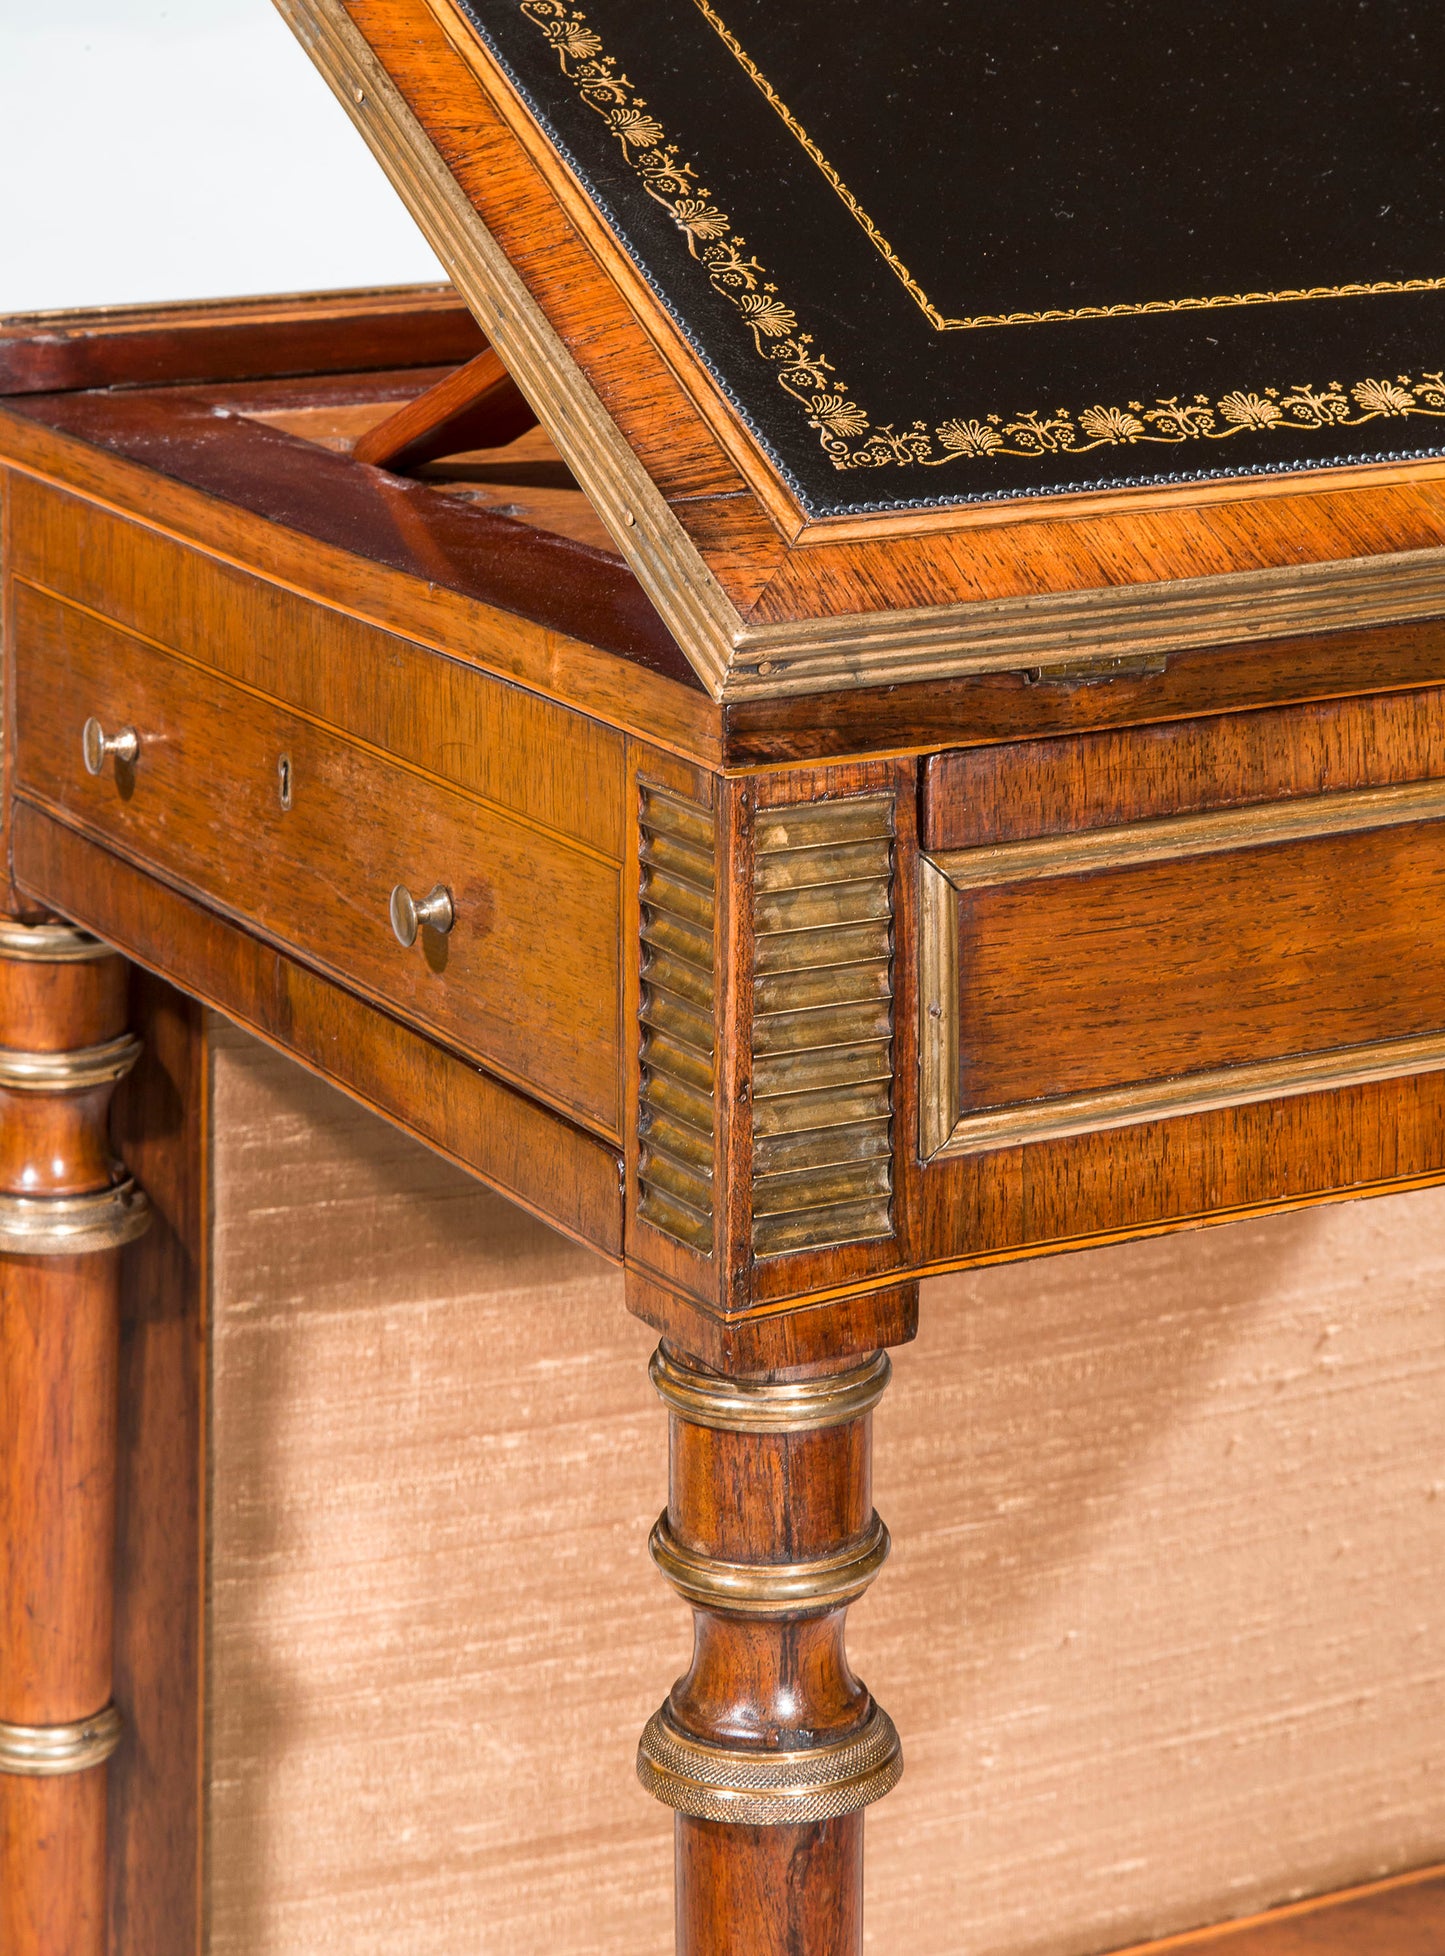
x=283, y=779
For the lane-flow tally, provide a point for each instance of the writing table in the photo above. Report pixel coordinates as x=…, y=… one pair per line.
x=827, y=726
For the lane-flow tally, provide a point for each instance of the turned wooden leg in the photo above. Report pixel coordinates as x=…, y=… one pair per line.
x=65, y=1210
x=768, y=1748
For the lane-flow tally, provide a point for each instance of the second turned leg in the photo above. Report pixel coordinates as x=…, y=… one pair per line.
x=65, y=1211
x=768, y=1747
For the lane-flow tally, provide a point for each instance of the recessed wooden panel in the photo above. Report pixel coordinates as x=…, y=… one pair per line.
x=1076, y=984
x=524, y=752
x=527, y=981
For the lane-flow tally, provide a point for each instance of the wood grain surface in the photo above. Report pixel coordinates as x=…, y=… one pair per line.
x=527, y=980
x=1077, y=983
x=234, y=339
x=1161, y=1629
x=162, y=1126
x=500, y=741
x=542, y=1162
x=976, y=797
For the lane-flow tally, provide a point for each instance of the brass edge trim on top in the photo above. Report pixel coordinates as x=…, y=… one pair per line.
x=73, y=1225
x=50, y=944
x=1176, y=838
x=689, y=598
x=71, y=1071
x=750, y=1406
x=1053, y=314
x=1193, y=1093
x=1012, y=634
x=48, y=1751
x=826, y=1582
x=784, y=1788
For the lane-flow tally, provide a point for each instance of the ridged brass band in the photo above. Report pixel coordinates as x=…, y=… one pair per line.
x=47, y=1751
x=770, y=1588
x=769, y=1789
x=747, y=1406
x=50, y=944
x=72, y=1225
x=71, y=1072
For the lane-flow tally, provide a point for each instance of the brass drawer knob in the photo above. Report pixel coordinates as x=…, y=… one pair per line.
x=408, y=916
x=96, y=745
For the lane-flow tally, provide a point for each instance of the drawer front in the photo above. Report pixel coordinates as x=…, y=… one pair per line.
x=1123, y=928
x=520, y=752
x=527, y=981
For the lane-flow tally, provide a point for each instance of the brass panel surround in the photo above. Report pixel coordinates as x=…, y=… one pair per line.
x=944, y=877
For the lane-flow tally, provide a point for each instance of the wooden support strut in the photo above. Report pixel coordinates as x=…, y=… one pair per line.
x=65, y=1210
x=768, y=1748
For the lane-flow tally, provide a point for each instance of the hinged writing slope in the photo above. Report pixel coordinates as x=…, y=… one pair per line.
x=870, y=388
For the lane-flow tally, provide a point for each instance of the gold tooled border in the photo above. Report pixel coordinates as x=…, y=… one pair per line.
x=1126, y=309
x=848, y=435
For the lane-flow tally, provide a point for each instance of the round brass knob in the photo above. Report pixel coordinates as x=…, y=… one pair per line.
x=96, y=745
x=408, y=916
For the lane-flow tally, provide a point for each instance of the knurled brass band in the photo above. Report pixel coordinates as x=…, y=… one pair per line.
x=770, y=1588
x=769, y=1789
x=72, y=1225
x=47, y=1751
x=748, y=1406
x=72, y=1072
x=50, y=944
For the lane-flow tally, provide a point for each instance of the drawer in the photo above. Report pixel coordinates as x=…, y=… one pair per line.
x=1125, y=927
x=528, y=979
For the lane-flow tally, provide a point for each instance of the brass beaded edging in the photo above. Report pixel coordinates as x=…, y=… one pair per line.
x=48, y=1751
x=749, y=1406
x=73, y=1225
x=827, y=1582
x=769, y=1789
x=72, y=1071
x=50, y=944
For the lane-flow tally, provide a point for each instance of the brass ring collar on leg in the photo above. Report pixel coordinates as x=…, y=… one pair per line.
x=769, y=1789
x=50, y=944
x=73, y=1225
x=751, y=1406
x=829, y=1582
x=74, y=1071
x=47, y=1751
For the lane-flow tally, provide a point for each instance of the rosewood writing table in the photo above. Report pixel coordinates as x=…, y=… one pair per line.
x=829, y=724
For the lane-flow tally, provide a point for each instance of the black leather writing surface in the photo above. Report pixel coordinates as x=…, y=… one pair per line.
x=943, y=250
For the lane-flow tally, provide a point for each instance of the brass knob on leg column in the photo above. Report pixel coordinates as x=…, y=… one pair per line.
x=408, y=916
x=97, y=746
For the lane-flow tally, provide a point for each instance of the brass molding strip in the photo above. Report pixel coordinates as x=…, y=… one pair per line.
x=73, y=1225
x=1173, y=838
x=69, y=1072
x=770, y=1588
x=748, y=1406
x=1195, y=1093
x=50, y=944
x=769, y=1789
x=48, y=1751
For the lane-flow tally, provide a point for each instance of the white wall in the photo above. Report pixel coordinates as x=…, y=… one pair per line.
x=180, y=149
